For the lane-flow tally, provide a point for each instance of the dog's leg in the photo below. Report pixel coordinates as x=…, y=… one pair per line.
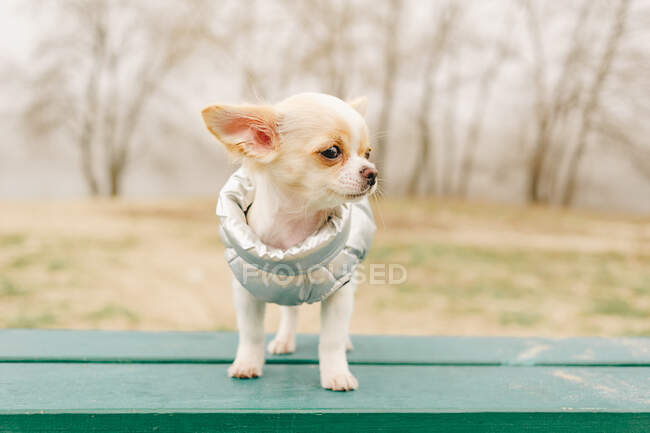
x=348, y=344
x=335, y=321
x=285, y=339
x=250, y=322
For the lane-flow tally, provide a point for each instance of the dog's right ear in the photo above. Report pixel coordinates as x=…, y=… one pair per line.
x=360, y=104
x=245, y=130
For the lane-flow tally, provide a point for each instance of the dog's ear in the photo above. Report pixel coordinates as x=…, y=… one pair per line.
x=245, y=130
x=360, y=104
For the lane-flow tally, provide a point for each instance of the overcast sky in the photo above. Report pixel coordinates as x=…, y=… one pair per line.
x=15, y=31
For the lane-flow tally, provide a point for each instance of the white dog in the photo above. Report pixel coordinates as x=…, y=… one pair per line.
x=304, y=181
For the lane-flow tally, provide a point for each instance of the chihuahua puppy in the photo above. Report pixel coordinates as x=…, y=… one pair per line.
x=306, y=155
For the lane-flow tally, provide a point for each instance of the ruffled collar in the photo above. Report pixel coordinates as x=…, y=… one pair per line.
x=318, y=248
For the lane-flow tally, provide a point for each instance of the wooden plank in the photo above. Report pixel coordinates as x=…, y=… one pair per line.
x=28, y=388
x=364, y=422
x=219, y=347
x=117, y=398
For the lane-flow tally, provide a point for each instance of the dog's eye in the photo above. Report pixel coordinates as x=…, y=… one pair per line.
x=368, y=153
x=331, y=153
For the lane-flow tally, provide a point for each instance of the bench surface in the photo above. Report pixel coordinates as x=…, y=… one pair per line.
x=173, y=381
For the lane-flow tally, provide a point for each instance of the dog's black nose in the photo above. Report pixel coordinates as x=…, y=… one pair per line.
x=370, y=174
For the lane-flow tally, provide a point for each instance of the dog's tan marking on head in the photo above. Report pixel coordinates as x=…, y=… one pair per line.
x=284, y=142
x=364, y=147
x=339, y=142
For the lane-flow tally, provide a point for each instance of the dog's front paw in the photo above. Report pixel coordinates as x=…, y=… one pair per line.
x=339, y=381
x=279, y=346
x=245, y=369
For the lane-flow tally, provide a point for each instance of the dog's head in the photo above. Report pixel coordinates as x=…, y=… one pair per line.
x=311, y=144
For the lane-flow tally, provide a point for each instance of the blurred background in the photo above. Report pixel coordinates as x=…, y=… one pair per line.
x=512, y=139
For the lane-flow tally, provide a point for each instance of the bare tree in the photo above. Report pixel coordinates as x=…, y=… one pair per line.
x=434, y=52
x=249, y=41
x=551, y=109
x=450, y=122
x=592, y=102
x=122, y=53
x=487, y=80
x=100, y=78
x=328, y=50
x=608, y=129
x=248, y=30
x=390, y=27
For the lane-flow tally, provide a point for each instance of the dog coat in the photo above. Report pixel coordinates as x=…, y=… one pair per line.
x=308, y=272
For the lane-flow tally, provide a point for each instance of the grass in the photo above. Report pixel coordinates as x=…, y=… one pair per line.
x=519, y=318
x=112, y=311
x=8, y=288
x=621, y=308
x=470, y=268
x=11, y=239
x=43, y=320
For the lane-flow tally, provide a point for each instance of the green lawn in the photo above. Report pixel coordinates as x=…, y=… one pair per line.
x=472, y=268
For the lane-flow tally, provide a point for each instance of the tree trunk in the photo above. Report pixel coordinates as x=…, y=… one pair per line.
x=487, y=81
x=602, y=72
x=115, y=183
x=91, y=100
x=541, y=106
x=537, y=162
x=450, y=122
x=424, y=116
x=388, y=86
x=476, y=125
x=427, y=144
x=86, y=160
x=551, y=112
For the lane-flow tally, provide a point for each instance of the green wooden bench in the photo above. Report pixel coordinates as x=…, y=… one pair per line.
x=96, y=381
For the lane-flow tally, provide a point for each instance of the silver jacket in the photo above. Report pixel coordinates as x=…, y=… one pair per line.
x=307, y=272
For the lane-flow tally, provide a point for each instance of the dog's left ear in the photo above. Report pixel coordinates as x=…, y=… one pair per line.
x=360, y=104
x=246, y=130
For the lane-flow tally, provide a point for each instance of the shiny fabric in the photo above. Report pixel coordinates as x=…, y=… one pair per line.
x=308, y=272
